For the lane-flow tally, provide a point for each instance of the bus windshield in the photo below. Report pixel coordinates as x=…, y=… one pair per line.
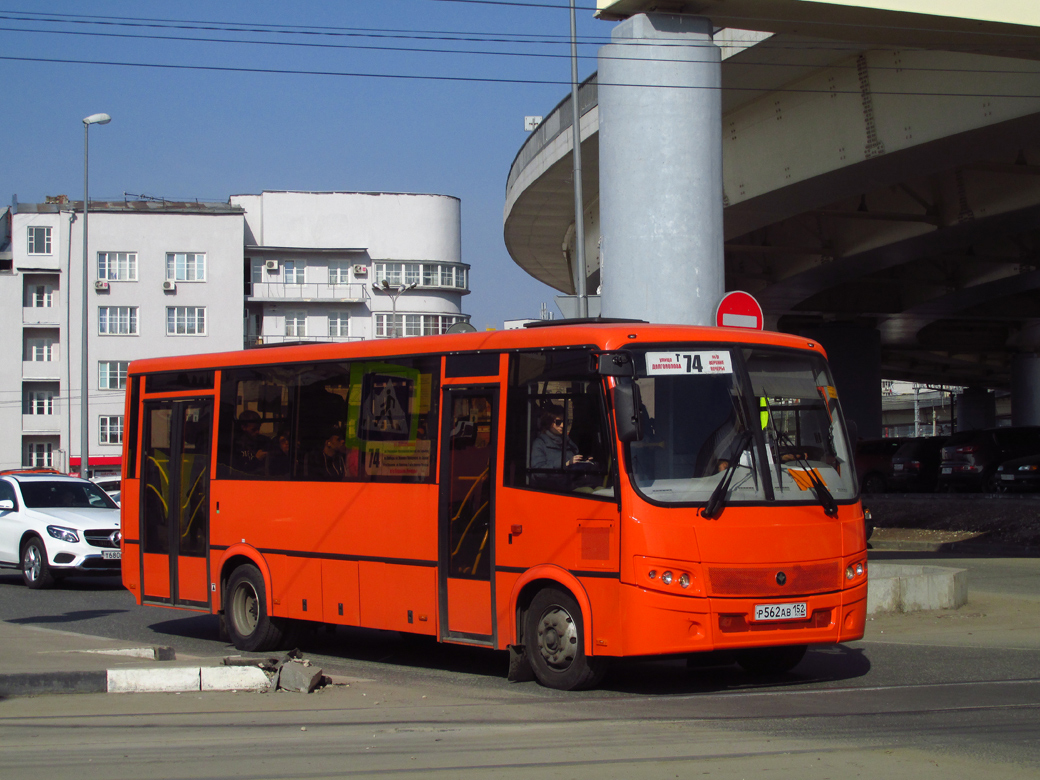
x=701, y=419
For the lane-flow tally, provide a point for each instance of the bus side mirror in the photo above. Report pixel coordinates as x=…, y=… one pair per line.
x=627, y=406
x=6, y=505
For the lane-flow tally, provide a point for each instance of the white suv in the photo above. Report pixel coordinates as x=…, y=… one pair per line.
x=52, y=525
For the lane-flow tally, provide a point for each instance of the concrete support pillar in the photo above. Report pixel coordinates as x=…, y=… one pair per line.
x=1025, y=389
x=976, y=409
x=854, y=353
x=660, y=162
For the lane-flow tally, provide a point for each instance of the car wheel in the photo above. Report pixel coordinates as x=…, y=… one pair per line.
x=249, y=623
x=874, y=483
x=554, y=635
x=36, y=571
x=771, y=660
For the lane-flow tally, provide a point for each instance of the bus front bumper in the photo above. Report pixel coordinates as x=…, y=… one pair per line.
x=663, y=624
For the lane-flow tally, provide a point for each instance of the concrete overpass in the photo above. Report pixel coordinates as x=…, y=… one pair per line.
x=886, y=189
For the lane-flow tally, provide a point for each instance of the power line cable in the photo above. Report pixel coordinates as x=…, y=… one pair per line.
x=537, y=55
x=498, y=80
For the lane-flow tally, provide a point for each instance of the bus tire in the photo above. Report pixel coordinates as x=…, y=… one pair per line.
x=771, y=660
x=554, y=635
x=249, y=622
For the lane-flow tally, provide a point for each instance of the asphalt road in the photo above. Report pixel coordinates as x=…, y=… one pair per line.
x=950, y=694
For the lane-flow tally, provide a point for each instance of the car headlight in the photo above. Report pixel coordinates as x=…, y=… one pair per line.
x=64, y=534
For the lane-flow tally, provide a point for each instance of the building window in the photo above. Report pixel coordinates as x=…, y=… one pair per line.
x=293, y=271
x=415, y=324
x=339, y=272
x=117, y=320
x=186, y=321
x=422, y=274
x=111, y=429
x=186, y=267
x=41, y=296
x=296, y=323
x=39, y=455
x=39, y=240
x=117, y=266
x=112, y=374
x=339, y=324
x=39, y=402
x=41, y=349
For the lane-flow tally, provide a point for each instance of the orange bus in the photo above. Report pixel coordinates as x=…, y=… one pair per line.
x=573, y=493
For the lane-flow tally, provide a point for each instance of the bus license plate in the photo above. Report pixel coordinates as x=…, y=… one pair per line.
x=794, y=611
x=947, y=470
x=111, y=555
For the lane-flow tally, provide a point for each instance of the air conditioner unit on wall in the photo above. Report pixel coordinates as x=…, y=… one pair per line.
x=100, y=284
x=271, y=265
x=360, y=270
x=169, y=285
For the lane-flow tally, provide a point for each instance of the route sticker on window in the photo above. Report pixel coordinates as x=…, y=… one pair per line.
x=673, y=363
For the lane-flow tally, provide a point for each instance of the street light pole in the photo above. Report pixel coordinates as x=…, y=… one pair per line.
x=84, y=374
x=401, y=289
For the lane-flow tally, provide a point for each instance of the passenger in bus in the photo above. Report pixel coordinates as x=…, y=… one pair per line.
x=279, y=463
x=328, y=463
x=251, y=447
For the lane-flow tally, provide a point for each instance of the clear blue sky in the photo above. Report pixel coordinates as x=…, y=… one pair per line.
x=208, y=134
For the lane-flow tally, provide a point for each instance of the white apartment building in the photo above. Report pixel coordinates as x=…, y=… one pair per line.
x=314, y=263
x=159, y=275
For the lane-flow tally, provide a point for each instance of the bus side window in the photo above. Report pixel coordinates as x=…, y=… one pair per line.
x=255, y=439
x=556, y=431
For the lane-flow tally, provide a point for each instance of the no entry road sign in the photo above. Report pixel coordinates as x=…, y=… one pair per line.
x=739, y=310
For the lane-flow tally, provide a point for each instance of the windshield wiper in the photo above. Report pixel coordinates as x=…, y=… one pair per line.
x=718, y=496
x=823, y=495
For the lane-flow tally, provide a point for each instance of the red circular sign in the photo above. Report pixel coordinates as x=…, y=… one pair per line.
x=739, y=310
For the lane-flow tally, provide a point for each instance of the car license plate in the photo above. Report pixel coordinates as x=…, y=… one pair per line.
x=794, y=611
x=1008, y=477
x=947, y=469
x=111, y=555
x=897, y=466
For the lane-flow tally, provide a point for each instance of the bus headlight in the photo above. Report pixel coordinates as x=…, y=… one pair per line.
x=684, y=580
x=666, y=578
x=854, y=570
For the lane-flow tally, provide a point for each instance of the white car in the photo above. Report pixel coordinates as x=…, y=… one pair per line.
x=52, y=525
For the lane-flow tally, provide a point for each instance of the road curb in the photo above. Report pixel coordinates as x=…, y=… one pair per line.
x=899, y=588
x=180, y=679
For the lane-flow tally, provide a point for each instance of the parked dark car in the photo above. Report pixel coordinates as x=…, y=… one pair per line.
x=874, y=463
x=970, y=458
x=915, y=466
x=1020, y=474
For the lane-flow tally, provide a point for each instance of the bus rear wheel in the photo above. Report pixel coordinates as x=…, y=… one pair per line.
x=771, y=660
x=554, y=635
x=249, y=623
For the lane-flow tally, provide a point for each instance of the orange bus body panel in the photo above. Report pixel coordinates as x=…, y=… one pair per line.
x=339, y=585
x=398, y=597
x=192, y=583
x=469, y=606
x=156, y=576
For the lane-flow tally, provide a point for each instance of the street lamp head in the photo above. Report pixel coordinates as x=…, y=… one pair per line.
x=385, y=285
x=97, y=119
x=412, y=286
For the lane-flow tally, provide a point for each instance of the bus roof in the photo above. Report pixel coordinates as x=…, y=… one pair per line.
x=605, y=336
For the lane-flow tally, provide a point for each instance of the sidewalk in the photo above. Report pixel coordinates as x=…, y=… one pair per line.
x=42, y=660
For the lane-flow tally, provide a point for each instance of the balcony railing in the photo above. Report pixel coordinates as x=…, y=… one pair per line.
x=41, y=315
x=352, y=292
x=266, y=340
x=41, y=369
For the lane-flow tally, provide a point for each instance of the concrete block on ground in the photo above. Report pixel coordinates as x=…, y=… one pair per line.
x=297, y=677
x=234, y=678
x=183, y=678
x=901, y=588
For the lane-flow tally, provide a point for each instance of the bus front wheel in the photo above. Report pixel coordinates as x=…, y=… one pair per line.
x=554, y=635
x=249, y=622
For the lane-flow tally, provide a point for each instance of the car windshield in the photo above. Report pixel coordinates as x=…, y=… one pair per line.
x=701, y=419
x=57, y=494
